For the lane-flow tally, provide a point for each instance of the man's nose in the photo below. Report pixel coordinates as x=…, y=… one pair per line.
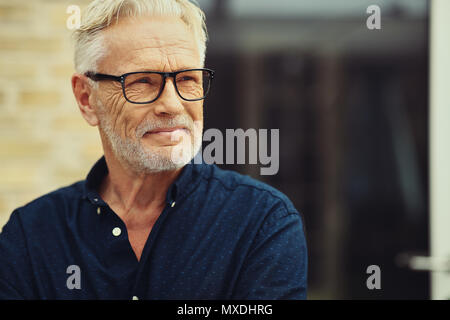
x=169, y=102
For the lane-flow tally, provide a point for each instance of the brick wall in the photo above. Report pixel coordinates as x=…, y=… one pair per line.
x=44, y=141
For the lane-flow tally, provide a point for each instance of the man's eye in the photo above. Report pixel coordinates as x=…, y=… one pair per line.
x=186, y=78
x=143, y=80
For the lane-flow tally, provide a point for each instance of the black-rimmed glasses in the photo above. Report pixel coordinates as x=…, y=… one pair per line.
x=147, y=86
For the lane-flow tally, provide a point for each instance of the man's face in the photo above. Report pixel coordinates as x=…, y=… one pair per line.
x=131, y=130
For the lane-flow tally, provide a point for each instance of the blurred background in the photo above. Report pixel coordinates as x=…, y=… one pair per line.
x=351, y=105
x=352, y=108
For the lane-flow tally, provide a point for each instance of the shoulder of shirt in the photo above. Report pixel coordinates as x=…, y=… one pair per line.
x=49, y=202
x=233, y=181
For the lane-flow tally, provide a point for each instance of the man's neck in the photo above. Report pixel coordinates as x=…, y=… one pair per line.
x=131, y=192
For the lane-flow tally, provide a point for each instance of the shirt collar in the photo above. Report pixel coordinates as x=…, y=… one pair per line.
x=183, y=185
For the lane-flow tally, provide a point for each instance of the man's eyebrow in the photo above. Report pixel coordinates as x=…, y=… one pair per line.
x=178, y=69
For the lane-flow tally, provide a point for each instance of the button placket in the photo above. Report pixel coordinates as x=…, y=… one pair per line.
x=149, y=243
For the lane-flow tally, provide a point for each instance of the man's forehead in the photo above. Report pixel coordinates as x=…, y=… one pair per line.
x=145, y=41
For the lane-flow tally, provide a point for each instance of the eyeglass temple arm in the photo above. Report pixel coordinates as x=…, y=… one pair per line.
x=101, y=76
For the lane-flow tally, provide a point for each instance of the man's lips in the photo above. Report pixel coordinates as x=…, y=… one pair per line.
x=166, y=131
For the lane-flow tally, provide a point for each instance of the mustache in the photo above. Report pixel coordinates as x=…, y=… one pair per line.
x=148, y=125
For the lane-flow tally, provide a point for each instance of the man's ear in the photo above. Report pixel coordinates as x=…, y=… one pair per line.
x=83, y=91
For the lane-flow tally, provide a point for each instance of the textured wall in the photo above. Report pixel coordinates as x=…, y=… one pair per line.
x=44, y=141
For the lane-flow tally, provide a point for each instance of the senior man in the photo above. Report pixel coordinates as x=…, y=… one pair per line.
x=148, y=222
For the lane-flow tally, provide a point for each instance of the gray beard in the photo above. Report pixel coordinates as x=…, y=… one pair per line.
x=132, y=154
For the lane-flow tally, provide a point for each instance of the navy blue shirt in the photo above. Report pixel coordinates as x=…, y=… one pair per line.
x=221, y=235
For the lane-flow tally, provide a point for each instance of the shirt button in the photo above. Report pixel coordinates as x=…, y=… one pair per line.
x=98, y=210
x=116, y=231
x=135, y=298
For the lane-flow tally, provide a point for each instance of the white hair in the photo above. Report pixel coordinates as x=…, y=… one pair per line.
x=99, y=14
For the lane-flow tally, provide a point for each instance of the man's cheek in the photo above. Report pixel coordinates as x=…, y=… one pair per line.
x=129, y=125
x=121, y=122
x=114, y=102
